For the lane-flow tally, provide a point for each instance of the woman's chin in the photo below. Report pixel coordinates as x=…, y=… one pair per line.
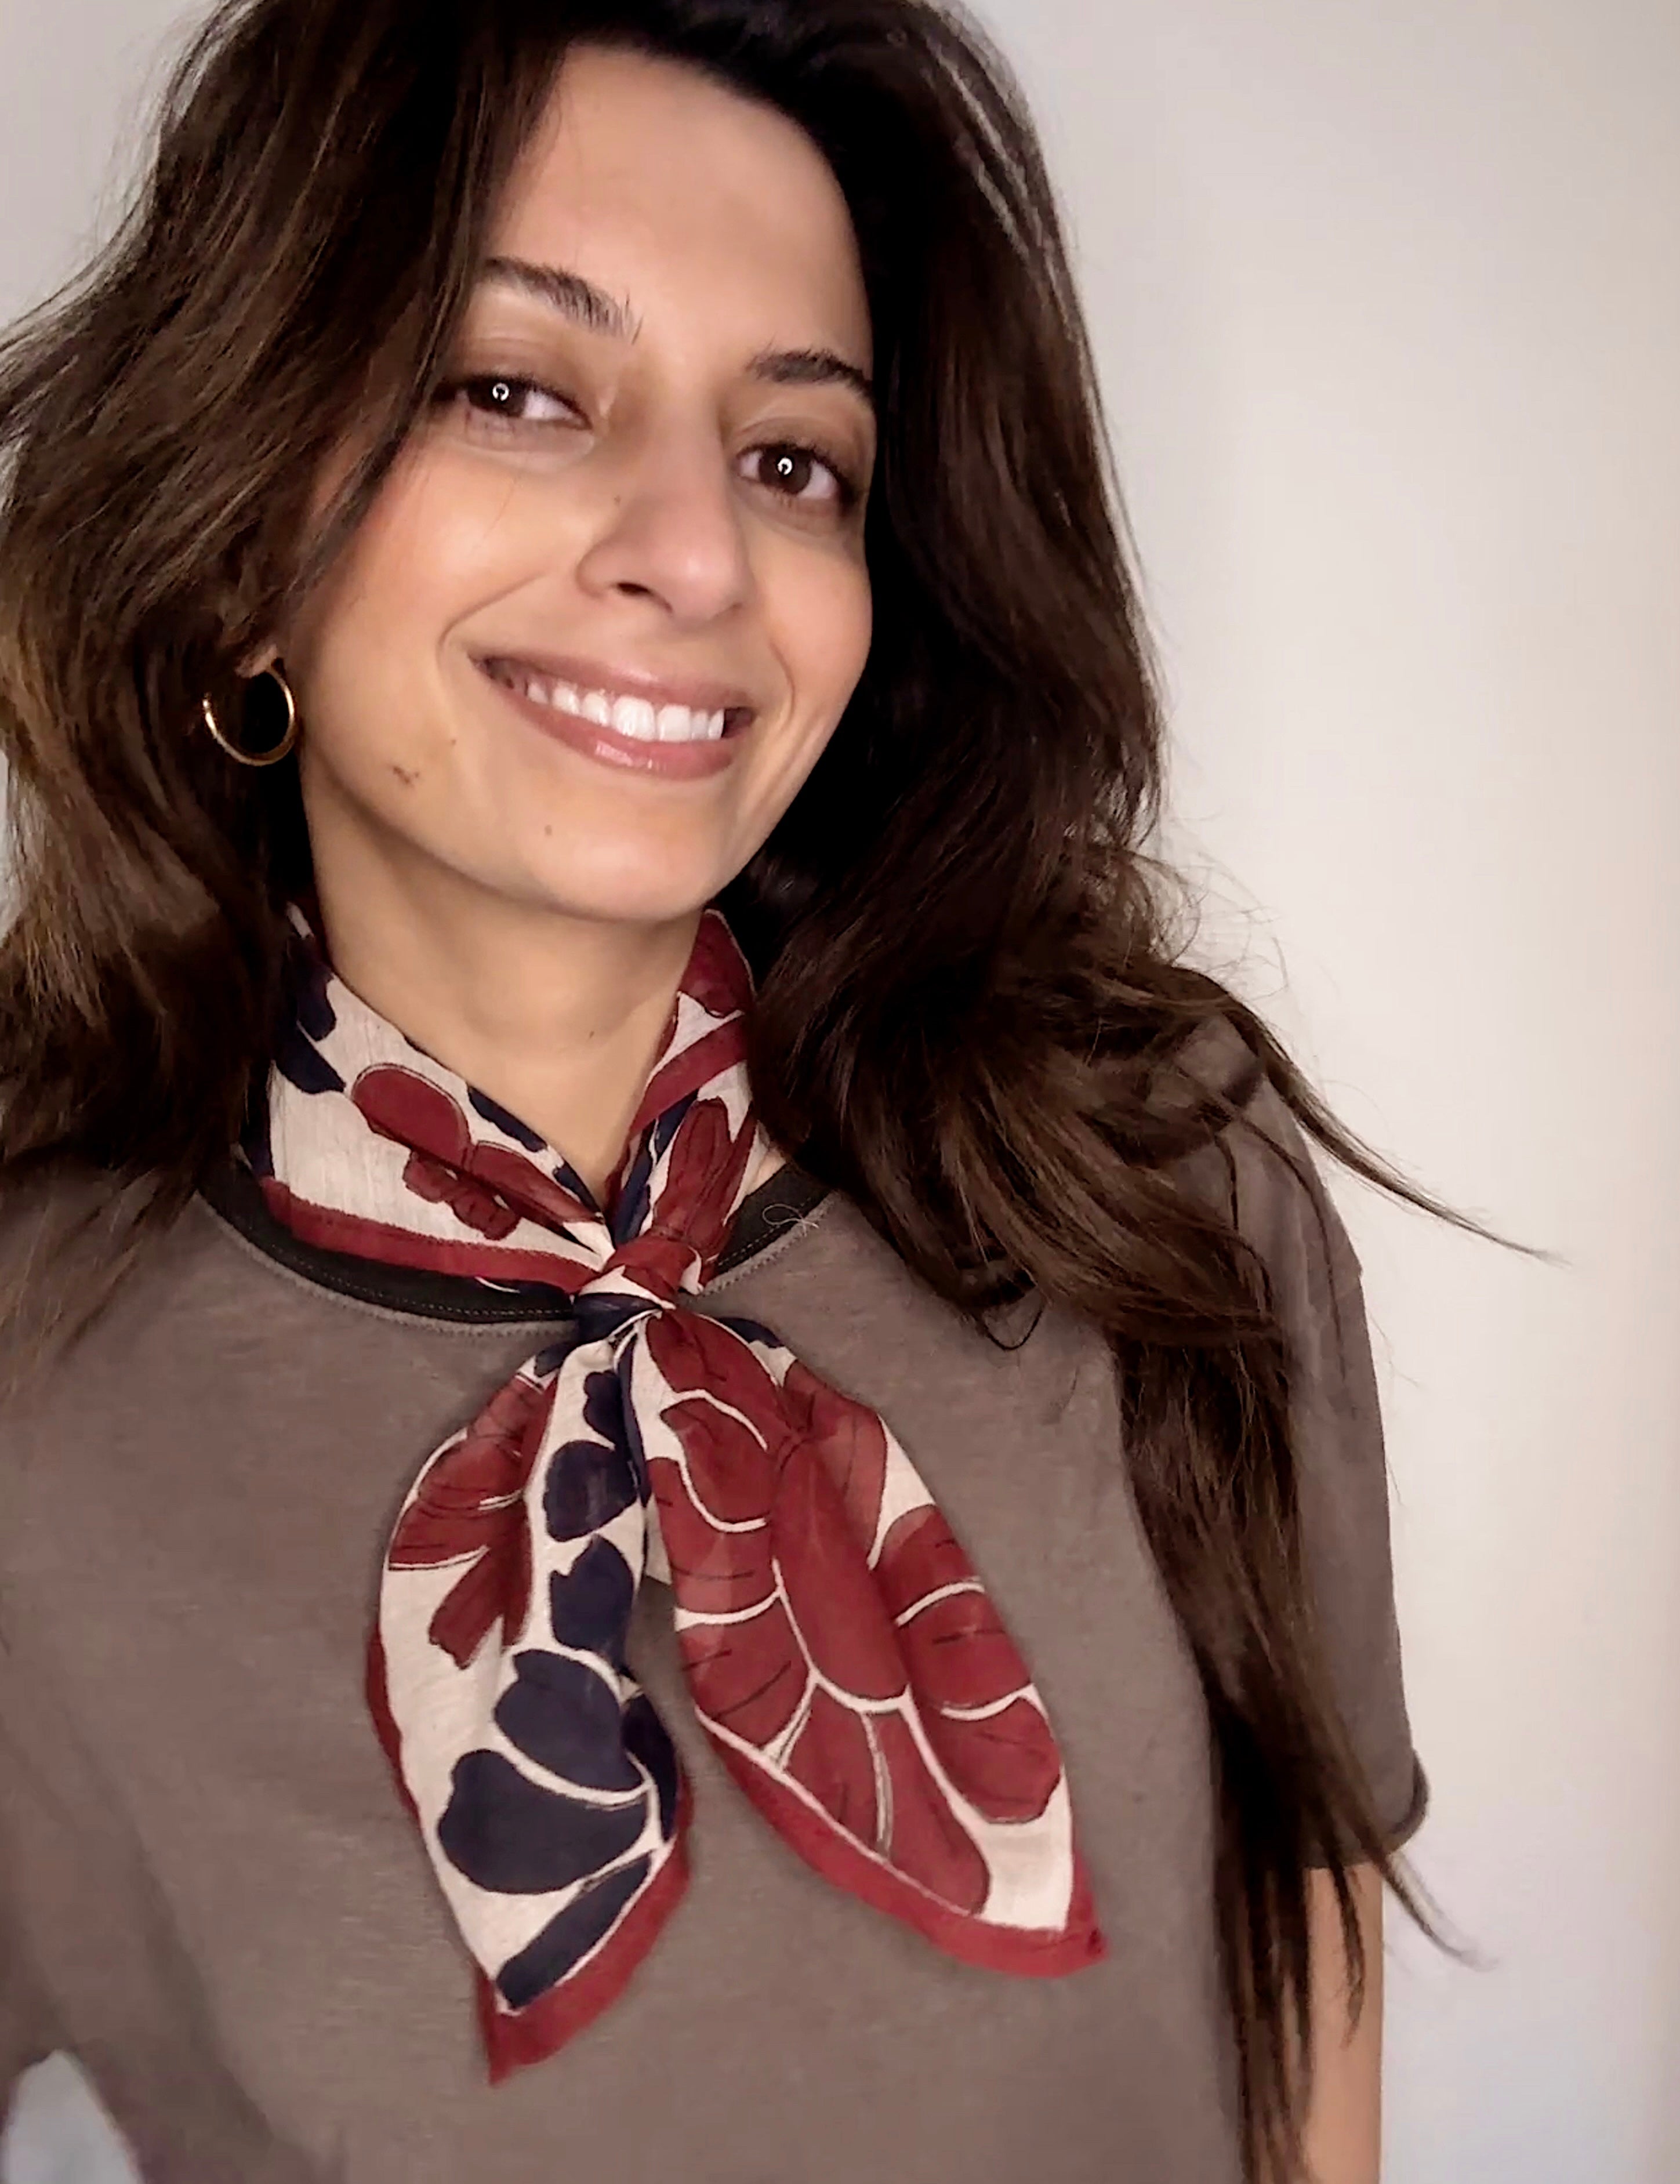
x=653, y=890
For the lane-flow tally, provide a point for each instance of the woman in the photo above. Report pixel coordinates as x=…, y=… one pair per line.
x=632, y=1267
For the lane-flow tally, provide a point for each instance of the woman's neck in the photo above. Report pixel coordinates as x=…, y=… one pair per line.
x=556, y=1018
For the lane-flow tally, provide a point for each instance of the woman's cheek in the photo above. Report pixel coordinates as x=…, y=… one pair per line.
x=455, y=532
x=822, y=618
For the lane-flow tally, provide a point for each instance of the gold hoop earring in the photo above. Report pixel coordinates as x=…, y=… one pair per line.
x=281, y=749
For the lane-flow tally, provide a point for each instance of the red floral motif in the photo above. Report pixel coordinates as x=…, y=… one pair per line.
x=840, y=1757
x=657, y=1264
x=473, y=1205
x=702, y=1174
x=960, y=1656
x=853, y=1441
x=696, y=1355
x=717, y=1573
x=778, y=1509
x=821, y=1562
x=696, y=1203
x=469, y=1507
x=488, y=1188
x=524, y=1186
x=750, y=1676
x=927, y=1841
x=833, y=1757
x=717, y=976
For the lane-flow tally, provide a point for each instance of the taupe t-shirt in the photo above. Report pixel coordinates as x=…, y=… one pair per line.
x=210, y=1894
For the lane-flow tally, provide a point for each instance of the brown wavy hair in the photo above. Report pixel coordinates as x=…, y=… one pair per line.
x=973, y=1015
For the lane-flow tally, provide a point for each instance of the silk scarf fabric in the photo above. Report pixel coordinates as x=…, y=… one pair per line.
x=841, y=1652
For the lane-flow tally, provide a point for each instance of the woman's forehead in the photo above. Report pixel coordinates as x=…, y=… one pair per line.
x=677, y=198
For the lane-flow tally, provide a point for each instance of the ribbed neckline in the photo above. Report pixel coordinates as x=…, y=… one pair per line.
x=234, y=1193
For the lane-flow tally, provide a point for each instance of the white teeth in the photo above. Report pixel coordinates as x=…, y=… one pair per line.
x=630, y=716
x=635, y=716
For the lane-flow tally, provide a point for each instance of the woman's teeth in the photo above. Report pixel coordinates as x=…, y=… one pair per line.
x=626, y=716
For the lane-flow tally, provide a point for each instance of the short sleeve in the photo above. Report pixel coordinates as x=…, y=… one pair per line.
x=29, y=2032
x=26, y=2034
x=1277, y=1198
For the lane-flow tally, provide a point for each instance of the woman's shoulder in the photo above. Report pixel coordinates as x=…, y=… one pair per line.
x=51, y=1219
x=1255, y=1166
x=54, y=1216
x=68, y=1234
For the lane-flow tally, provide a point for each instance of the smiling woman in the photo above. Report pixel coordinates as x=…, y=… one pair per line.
x=691, y=1470
x=633, y=508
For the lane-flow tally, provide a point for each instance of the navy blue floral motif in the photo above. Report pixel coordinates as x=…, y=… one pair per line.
x=505, y=1832
x=302, y=1063
x=508, y=1124
x=590, y=1604
x=549, y=1361
x=646, y=1738
x=569, y=1936
x=564, y=1715
x=631, y=1441
x=568, y=1179
x=751, y=1330
x=634, y=1202
x=604, y=1407
x=312, y=998
x=587, y=1485
x=668, y=1124
x=599, y=1317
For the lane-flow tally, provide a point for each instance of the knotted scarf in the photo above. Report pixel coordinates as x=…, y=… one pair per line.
x=839, y=1649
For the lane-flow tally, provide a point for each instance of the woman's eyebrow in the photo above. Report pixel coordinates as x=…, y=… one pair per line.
x=568, y=293
x=811, y=367
x=594, y=309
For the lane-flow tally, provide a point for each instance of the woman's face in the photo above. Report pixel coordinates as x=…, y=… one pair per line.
x=612, y=601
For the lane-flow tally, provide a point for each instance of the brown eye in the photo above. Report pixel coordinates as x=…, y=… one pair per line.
x=800, y=474
x=502, y=398
x=790, y=470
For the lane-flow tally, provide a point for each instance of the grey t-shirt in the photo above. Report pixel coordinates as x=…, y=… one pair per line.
x=210, y=1892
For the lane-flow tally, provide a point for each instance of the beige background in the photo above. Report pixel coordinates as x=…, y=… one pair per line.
x=1387, y=302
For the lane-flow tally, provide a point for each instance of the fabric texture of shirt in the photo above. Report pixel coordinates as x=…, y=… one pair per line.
x=210, y=1894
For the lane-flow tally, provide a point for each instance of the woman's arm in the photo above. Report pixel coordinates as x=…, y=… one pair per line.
x=1342, y=2141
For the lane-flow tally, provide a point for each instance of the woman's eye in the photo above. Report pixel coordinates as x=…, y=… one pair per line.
x=507, y=400
x=801, y=475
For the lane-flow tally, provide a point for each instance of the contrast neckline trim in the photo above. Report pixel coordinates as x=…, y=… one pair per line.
x=231, y=1189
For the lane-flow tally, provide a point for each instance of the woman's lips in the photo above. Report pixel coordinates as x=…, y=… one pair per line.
x=668, y=761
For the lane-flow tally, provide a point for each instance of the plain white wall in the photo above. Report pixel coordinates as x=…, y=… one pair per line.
x=1386, y=301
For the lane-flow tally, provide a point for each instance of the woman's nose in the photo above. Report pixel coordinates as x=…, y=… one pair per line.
x=673, y=530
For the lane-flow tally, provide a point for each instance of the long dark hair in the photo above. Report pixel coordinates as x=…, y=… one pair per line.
x=972, y=1015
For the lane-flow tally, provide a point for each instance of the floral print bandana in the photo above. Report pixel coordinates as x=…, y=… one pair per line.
x=839, y=1649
